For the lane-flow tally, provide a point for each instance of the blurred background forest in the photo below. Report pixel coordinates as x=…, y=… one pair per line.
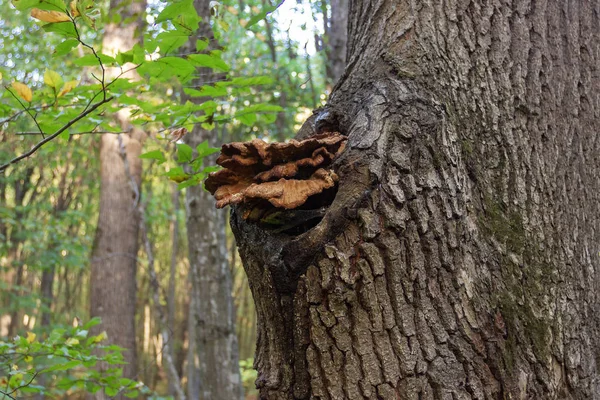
x=50, y=202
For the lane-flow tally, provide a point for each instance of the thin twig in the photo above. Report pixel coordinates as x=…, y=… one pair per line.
x=36, y=108
x=22, y=386
x=3, y=393
x=92, y=132
x=27, y=110
x=55, y=134
x=102, y=81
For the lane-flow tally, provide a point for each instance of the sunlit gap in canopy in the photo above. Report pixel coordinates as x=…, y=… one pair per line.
x=295, y=15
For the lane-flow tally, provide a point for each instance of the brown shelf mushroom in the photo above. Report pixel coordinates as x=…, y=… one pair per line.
x=284, y=174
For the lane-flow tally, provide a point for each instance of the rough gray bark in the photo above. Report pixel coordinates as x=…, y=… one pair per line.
x=213, y=365
x=459, y=259
x=114, y=255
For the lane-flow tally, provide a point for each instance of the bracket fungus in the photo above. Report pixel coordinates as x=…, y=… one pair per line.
x=276, y=176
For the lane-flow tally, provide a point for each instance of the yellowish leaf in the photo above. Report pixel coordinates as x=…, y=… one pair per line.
x=67, y=87
x=71, y=342
x=30, y=337
x=243, y=23
x=178, y=178
x=98, y=338
x=28, y=359
x=49, y=16
x=52, y=79
x=74, y=10
x=22, y=90
x=0, y=76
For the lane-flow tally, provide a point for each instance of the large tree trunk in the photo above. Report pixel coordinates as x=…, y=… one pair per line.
x=114, y=256
x=213, y=368
x=459, y=259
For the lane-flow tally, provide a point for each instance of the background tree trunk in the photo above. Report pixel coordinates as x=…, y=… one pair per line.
x=213, y=365
x=114, y=256
x=337, y=39
x=459, y=258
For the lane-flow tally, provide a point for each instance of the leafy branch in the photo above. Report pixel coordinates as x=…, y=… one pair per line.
x=55, y=134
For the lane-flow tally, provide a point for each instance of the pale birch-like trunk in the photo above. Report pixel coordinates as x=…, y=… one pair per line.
x=114, y=255
x=459, y=259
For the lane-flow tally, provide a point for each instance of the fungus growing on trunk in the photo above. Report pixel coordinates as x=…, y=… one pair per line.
x=273, y=177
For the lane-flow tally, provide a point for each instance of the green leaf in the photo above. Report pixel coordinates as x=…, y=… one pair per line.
x=269, y=118
x=52, y=5
x=139, y=55
x=132, y=394
x=171, y=40
x=261, y=107
x=192, y=92
x=182, y=14
x=65, y=47
x=154, y=155
x=260, y=16
x=247, y=119
x=89, y=60
x=111, y=391
x=184, y=153
x=177, y=174
x=23, y=5
x=209, y=60
x=251, y=81
x=201, y=45
x=174, y=10
x=193, y=180
x=124, y=57
x=65, y=135
x=182, y=67
x=64, y=366
x=166, y=68
x=213, y=91
x=63, y=28
x=204, y=149
x=92, y=387
x=92, y=322
x=214, y=168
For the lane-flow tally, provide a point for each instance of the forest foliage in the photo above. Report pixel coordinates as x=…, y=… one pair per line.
x=59, y=91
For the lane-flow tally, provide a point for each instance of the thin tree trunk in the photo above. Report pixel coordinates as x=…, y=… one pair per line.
x=459, y=257
x=337, y=38
x=213, y=366
x=281, y=120
x=22, y=188
x=193, y=361
x=165, y=334
x=61, y=204
x=171, y=293
x=114, y=255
